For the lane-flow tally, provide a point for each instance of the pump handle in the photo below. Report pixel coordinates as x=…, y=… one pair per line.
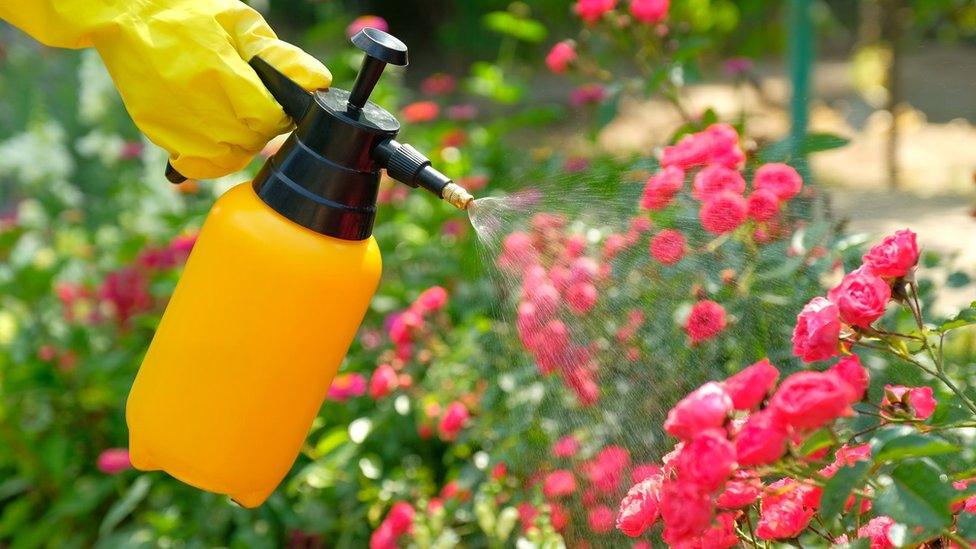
x=381, y=48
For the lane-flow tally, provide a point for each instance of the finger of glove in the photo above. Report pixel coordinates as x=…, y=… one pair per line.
x=255, y=38
x=188, y=89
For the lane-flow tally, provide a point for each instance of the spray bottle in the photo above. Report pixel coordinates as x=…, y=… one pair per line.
x=276, y=286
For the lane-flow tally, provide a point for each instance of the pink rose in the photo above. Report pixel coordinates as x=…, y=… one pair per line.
x=383, y=382
x=383, y=537
x=605, y=471
x=919, y=400
x=850, y=370
x=592, y=11
x=518, y=252
x=737, y=66
x=438, y=84
x=668, y=246
x=895, y=256
x=558, y=484
x=781, y=179
x=581, y=297
x=527, y=514
x=400, y=517
x=560, y=518
x=749, y=387
x=817, y=332
x=346, y=386
x=706, y=320
x=600, y=519
x=723, y=212
x=649, y=11
x=644, y=471
x=782, y=518
x=431, y=300
x=706, y=460
x=453, y=421
x=878, y=529
x=113, y=461
x=716, y=179
x=640, y=507
x=706, y=407
x=761, y=440
x=565, y=447
x=580, y=380
x=861, y=298
x=717, y=144
x=587, y=94
x=462, y=113
x=685, y=510
x=720, y=535
x=364, y=21
x=661, y=187
x=846, y=456
x=740, y=492
x=420, y=111
x=583, y=270
x=810, y=400
x=763, y=205
x=614, y=244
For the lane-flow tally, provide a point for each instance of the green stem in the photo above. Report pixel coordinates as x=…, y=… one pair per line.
x=752, y=533
x=934, y=373
x=961, y=541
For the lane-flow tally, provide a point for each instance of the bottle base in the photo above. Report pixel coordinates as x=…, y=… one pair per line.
x=142, y=460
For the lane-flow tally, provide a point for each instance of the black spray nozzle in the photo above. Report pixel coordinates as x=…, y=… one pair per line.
x=408, y=165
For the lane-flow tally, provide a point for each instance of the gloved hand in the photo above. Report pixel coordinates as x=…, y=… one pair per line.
x=181, y=68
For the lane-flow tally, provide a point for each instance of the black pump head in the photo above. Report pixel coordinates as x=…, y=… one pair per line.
x=326, y=175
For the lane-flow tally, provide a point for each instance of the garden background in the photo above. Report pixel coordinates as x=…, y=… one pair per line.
x=441, y=403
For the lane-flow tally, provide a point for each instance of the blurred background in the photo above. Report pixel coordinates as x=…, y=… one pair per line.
x=873, y=100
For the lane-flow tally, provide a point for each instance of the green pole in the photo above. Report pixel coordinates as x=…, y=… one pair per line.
x=800, y=63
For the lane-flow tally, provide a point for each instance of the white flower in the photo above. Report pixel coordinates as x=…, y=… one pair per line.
x=107, y=147
x=38, y=155
x=96, y=92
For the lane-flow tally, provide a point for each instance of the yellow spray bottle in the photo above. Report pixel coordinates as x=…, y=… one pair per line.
x=274, y=291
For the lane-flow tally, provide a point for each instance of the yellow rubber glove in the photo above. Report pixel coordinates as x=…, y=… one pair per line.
x=181, y=68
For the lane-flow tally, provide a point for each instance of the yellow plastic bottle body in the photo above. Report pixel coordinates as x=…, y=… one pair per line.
x=247, y=348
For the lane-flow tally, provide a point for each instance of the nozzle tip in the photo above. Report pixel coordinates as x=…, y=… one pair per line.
x=457, y=196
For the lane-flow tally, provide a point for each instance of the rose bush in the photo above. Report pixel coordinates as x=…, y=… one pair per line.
x=819, y=458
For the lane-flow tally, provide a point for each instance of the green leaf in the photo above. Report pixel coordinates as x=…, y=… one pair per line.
x=13, y=486
x=124, y=507
x=503, y=22
x=782, y=150
x=607, y=111
x=489, y=80
x=912, y=446
x=15, y=515
x=335, y=438
x=817, y=441
x=916, y=495
x=786, y=269
x=816, y=142
x=965, y=317
x=958, y=279
x=839, y=487
x=966, y=525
